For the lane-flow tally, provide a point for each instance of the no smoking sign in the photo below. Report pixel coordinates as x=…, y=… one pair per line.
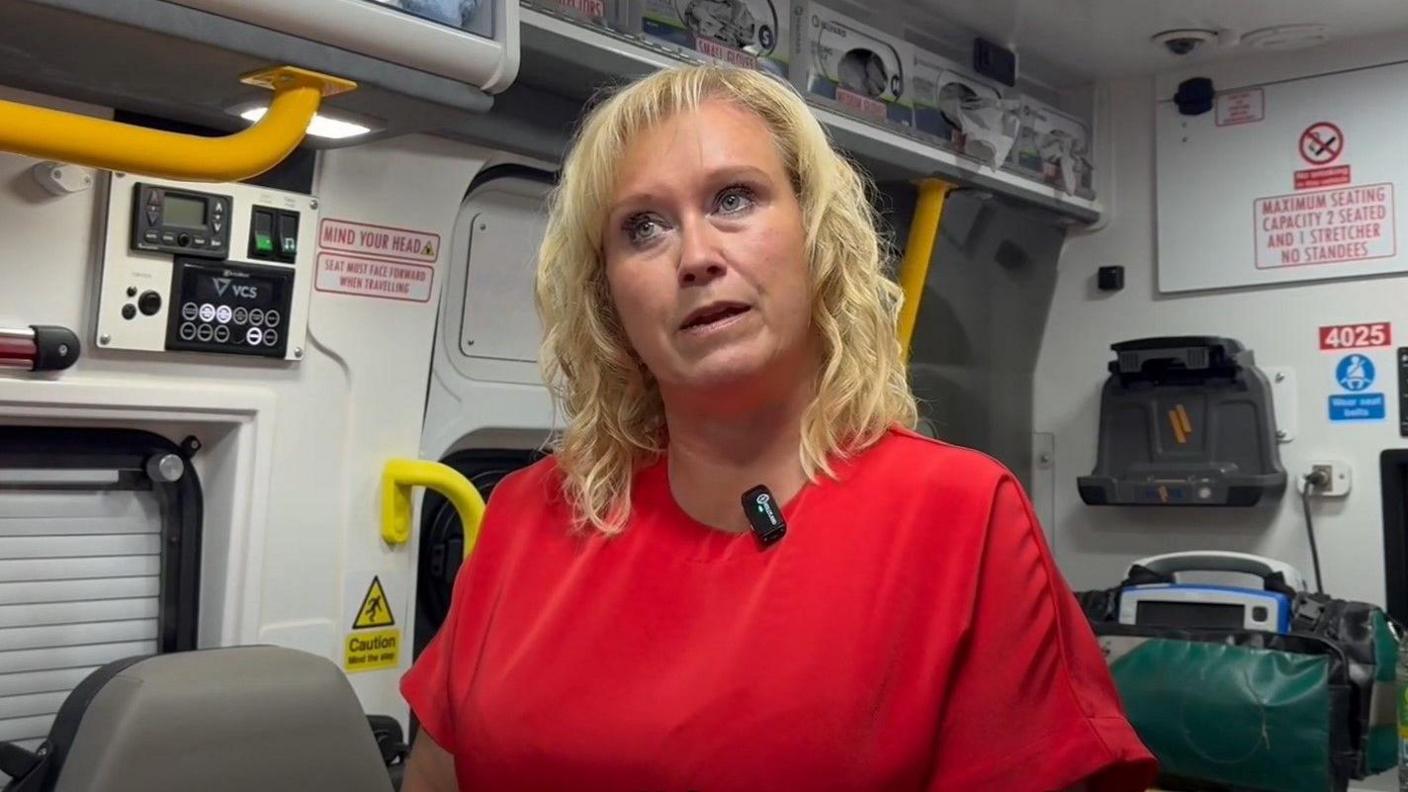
x=1321, y=143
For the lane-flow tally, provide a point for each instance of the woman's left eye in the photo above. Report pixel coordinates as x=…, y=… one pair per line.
x=735, y=199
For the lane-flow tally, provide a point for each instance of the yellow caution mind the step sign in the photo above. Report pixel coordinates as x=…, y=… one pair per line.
x=375, y=611
x=374, y=642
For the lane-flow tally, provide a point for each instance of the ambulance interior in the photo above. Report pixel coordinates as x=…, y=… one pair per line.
x=252, y=388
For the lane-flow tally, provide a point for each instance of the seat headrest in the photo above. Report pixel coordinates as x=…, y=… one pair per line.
x=224, y=720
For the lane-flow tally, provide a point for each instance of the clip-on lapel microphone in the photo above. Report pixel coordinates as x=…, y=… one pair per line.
x=764, y=515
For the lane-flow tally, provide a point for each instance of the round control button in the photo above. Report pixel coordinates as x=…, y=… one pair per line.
x=271, y=338
x=190, y=311
x=223, y=314
x=205, y=332
x=272, y=318
x=254, y=336
x=131, y=291
x=207, y=312
x=241, y=315
x=188, y=331
x=149, y=303
x=222, y=333
x=128, y=311
x=256, y=316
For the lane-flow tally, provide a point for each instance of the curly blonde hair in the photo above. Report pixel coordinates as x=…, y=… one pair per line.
x=615, y=418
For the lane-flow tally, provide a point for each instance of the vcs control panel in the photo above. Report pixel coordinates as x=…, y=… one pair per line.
x=233, y=308
x=221, y=269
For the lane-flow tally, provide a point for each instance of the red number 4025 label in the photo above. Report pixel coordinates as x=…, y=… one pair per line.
x=1356, y=336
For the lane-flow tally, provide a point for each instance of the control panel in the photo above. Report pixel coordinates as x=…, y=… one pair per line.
x=180, y=221
x=234, y=308
x=221, y=269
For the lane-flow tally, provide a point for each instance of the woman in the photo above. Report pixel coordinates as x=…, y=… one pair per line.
x=718, y=318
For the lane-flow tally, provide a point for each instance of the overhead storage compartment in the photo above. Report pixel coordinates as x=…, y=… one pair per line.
x=183, y=61
x=575, y=60
x=472, y=41
x=433, y=66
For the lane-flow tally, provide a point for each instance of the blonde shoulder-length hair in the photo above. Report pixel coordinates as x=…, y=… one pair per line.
x=614, y=417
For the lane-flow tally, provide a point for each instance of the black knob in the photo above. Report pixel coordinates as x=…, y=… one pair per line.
x=58, y=347
x=128, y=311
x=131, y=291
x=149, y=302
x=183, y=240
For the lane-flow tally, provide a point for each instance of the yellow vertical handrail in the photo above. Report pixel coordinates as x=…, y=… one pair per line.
x=99, y=143
x=914, y=267
x=397, y=479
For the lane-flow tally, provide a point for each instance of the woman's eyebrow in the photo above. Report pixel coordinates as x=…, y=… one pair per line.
x=631, y=199
x=729, y=172
x=714, y=176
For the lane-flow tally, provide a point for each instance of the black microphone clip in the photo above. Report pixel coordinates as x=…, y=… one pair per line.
x=764, y=515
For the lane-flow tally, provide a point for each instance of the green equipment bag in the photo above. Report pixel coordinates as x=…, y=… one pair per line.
x=1226, y=709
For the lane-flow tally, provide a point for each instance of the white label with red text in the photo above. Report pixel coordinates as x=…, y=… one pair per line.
x=1241, y=107
x=407, y=244
x=863, y=105
x=728, y=55
x=366, y=277
x=1325, y=227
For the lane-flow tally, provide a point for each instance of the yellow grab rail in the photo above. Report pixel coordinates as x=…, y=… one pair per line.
x=397, y=479
x=914, y=267
x=100, y=143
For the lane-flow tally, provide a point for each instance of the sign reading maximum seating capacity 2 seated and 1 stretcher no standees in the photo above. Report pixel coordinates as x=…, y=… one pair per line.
x=368, y=260
x=1325, y=226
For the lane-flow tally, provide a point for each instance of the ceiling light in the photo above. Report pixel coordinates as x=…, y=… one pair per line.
x=1286, y=37
x=321, y=126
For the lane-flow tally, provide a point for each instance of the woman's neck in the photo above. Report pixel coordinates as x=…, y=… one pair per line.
x=714, y=458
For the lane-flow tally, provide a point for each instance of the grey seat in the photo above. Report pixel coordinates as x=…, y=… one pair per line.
x=247, y=719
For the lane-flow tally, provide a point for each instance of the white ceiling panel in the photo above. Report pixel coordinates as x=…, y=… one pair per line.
x=1068, y=42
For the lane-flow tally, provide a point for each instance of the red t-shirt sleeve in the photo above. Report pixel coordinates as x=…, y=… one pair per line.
x=426, y=687
x=435, y=685
x=1031, y=706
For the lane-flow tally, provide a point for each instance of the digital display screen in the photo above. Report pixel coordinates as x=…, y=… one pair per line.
x=1190, y=614
x=250, y=292
x=473, y=16
x=180, y=211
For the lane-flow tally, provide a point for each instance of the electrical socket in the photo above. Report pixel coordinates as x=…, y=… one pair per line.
x=1337, y=473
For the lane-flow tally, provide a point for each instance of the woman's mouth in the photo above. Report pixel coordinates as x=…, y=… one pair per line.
x=713, y=316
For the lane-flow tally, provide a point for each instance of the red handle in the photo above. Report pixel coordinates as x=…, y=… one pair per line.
x=16, y=352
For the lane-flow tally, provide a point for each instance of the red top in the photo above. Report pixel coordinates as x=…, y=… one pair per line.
x=910, y=632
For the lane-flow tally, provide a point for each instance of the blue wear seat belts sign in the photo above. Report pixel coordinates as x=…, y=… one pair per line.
x=1355, y=374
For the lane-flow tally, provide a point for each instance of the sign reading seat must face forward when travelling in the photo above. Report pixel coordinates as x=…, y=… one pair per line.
x=1307, y=192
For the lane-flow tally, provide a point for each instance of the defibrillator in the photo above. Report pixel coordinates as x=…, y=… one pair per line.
x=1168, y=601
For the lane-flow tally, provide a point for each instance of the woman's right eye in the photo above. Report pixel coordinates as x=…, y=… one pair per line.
x=642, y=228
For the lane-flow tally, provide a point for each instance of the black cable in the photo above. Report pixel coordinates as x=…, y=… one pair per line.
x=1310, y=525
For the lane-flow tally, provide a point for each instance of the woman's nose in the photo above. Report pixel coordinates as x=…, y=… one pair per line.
x=701, y=259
